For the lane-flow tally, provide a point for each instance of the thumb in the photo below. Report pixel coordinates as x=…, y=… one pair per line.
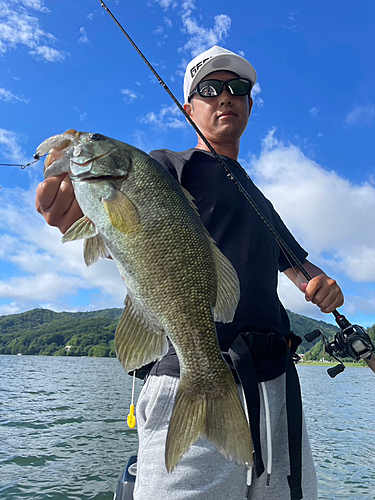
x=303, y=287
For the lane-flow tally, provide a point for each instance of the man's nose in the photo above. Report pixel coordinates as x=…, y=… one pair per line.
x=225, y=98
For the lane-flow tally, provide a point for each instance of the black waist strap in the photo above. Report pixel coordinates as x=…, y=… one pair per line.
x=241, y=352
x=243, y=364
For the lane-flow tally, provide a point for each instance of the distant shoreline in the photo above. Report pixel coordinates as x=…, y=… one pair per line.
x=301, y=363
x=331, y=363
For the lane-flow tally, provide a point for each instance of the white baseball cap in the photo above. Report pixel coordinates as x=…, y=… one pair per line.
x=216, y=59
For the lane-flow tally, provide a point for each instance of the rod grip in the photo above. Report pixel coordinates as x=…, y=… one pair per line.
x=371, y=362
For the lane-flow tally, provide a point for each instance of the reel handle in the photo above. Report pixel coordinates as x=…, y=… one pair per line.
x=335, y=370
x=310, y=337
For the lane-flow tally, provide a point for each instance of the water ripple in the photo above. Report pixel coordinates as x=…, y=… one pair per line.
x=64, y=435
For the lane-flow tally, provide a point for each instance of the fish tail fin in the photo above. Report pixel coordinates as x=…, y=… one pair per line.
x=219, y=417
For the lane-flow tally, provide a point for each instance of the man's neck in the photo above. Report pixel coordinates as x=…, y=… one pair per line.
x=231, y=150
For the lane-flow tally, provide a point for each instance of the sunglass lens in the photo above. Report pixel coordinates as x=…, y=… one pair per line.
x=239, y=86
x=210, y=88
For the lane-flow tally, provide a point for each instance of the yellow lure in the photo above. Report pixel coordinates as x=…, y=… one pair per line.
x=131, y=417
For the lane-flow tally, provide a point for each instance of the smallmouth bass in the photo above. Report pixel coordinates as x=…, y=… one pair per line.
x=178, y=281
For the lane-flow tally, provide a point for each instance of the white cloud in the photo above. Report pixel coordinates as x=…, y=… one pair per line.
x=8, y=96
x=166, y=4
x=47, y=53
x=201, y=38
x=19, y=28
x=314, y=111
x=256, y=90
x=48, y=271
x=166, y=118
x=361, y=115
x=10, y=148
x=168, y=22
x=331, y=216
x=129, y=96
x=159, y=30
x=83, y=38
x=11, y=308
x=37, y=5
x=82, y=115
x=292, y=20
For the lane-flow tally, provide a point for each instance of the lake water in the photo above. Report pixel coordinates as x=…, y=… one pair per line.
x=63, y=432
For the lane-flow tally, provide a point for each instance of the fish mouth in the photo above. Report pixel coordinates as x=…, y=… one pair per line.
x=97, y=178
x=87, y=162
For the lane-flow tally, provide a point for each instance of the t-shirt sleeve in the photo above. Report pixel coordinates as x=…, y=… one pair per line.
x=285, y=262
x=170, y=161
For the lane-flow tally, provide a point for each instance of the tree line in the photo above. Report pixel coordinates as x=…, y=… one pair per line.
x=47, y=333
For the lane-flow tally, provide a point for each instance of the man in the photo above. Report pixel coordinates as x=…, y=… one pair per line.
x=217, y=90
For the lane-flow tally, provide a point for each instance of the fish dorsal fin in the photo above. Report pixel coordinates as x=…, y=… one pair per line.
x=93, y=249
x=121, y=212
x=228, y=287
x=190, y=199
x=82, y=228
x=136, y=343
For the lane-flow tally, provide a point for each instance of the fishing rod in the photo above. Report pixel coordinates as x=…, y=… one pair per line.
x=351, y=340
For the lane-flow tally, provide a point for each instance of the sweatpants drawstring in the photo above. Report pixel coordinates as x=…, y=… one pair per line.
x=268, y=432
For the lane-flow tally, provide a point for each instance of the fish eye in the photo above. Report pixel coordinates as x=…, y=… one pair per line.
x=96, y=137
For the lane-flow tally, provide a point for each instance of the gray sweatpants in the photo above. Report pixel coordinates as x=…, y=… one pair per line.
x=203, y=473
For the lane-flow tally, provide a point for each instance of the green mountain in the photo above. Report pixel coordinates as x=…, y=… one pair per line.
x=44, y=332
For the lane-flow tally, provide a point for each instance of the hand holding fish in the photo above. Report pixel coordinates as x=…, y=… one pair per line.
x=56, y=201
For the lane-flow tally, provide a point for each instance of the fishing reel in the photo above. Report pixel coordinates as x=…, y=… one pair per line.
x=351, y=341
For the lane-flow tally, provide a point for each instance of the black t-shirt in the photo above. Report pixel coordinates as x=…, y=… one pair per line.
x=243, y=238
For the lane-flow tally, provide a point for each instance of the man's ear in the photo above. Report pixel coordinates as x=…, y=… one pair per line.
x=188, y=108
x=251, y=102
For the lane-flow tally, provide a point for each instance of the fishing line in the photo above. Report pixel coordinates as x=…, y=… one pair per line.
x=36, y=158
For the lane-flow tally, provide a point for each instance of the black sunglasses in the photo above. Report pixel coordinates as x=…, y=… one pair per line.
x=213, y=88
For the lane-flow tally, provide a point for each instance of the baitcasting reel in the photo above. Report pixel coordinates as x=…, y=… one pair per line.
x=351, y=341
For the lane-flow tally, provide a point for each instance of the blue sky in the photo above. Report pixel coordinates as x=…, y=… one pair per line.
x=309, y=144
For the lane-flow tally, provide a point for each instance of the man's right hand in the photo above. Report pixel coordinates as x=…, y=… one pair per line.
x=55, y=200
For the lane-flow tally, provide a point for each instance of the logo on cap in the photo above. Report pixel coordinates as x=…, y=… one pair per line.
x=195, y=68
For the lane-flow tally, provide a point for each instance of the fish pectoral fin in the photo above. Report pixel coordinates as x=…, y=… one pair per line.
x=82, y=228
x=136, y=343
x=219, y=417
x=93, y=249
x=122, y=213
x=228, y=287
